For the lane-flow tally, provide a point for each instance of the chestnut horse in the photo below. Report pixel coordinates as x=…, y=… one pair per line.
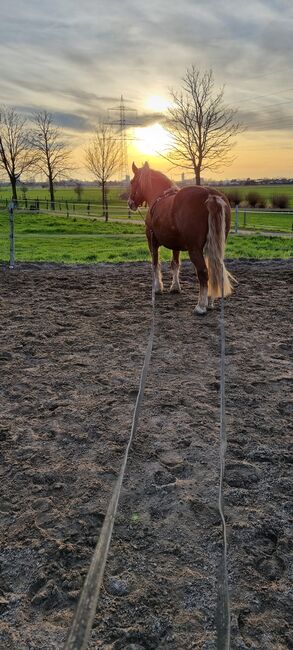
x=195, y=219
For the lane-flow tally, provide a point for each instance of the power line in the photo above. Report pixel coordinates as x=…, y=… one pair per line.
x=284, y=124
x=282, y=90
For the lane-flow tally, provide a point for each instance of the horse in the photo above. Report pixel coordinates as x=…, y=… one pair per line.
x=196, y=219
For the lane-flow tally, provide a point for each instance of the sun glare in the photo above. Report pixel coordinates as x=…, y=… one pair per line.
x=157, y=103
x=152, y=140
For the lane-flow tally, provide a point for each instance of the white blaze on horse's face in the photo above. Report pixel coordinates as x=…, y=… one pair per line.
x=132, y=205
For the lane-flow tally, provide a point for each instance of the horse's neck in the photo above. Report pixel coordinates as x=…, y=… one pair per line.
x=157, y=185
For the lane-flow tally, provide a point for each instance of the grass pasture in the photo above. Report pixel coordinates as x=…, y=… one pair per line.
x=66, y=203
x=94, y=194
x=255, y=220
x=55, y=238
x=262, y=220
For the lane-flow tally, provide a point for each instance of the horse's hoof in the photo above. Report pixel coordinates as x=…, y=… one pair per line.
x=175, y=290
x=200, y=310
x=211, y=305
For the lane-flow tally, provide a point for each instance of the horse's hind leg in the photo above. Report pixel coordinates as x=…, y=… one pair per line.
x=197, y=258
x=175, y=268
x=154, y=250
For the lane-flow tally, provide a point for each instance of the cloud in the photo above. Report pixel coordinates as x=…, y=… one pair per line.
x=76, y=59
x=71, y=121
x=266, y=120
x=124, y=47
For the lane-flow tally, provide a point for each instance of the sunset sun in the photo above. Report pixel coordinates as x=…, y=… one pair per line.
x=152, y=140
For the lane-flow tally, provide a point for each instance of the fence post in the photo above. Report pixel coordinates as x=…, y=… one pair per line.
x=11, y=234
x=67, y=211
x=244, y=218
x=236, y=217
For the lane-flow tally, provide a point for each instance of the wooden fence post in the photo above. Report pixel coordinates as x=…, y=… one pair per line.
x=236, y=217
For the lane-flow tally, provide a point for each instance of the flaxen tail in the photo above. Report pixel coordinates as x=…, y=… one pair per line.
x=215, y=248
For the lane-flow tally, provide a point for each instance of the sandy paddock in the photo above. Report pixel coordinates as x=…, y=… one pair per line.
x=72, y=347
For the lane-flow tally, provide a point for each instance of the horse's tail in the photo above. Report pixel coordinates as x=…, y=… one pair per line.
x=215, y=248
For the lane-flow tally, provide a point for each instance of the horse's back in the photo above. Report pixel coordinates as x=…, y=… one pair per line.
x=194, y=198
x=198, y=195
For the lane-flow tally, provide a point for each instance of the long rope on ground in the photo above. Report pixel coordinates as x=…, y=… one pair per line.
x=84, y=616
x=223, y=618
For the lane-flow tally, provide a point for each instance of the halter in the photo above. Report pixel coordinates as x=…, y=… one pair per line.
x=169, y=192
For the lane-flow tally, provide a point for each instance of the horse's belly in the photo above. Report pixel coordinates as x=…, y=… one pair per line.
x=173, y=243
x=170, y=238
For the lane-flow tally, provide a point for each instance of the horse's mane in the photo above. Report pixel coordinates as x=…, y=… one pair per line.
x=148, y=176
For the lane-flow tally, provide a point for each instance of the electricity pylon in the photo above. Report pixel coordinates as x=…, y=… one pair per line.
x=123, y=118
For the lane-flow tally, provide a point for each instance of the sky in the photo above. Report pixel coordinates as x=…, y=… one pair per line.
x=75, y=59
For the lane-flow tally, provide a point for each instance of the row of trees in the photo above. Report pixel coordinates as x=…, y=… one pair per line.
x=39, y=146
x=201, y=125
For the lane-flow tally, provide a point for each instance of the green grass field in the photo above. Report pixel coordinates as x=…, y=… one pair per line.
x=91, y=206
x=46, y=237
x=94, y=195
x=264, y=221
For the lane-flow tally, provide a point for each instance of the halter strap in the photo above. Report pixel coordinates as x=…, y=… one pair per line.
x=169, y=192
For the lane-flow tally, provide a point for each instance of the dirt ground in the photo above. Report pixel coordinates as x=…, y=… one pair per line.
x=72, y=347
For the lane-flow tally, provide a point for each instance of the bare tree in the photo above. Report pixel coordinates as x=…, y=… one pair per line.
x=78, y=189
x=53, y=154
x=201, y=125
x=16, y=153
x=103, y=158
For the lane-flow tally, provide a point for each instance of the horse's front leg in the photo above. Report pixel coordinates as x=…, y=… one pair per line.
x=175, y=268
x=154, y=250
x=197, y=258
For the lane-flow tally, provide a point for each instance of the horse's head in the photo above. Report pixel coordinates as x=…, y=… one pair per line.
x=137, y=195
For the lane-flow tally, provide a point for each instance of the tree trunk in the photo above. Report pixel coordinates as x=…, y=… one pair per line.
x=197, y=176
x=13, y=187
x=104, y=200
x=51, y=190
x=106, y=203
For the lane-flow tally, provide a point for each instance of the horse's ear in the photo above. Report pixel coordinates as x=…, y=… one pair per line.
x=134, y=168
x=146, y=164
